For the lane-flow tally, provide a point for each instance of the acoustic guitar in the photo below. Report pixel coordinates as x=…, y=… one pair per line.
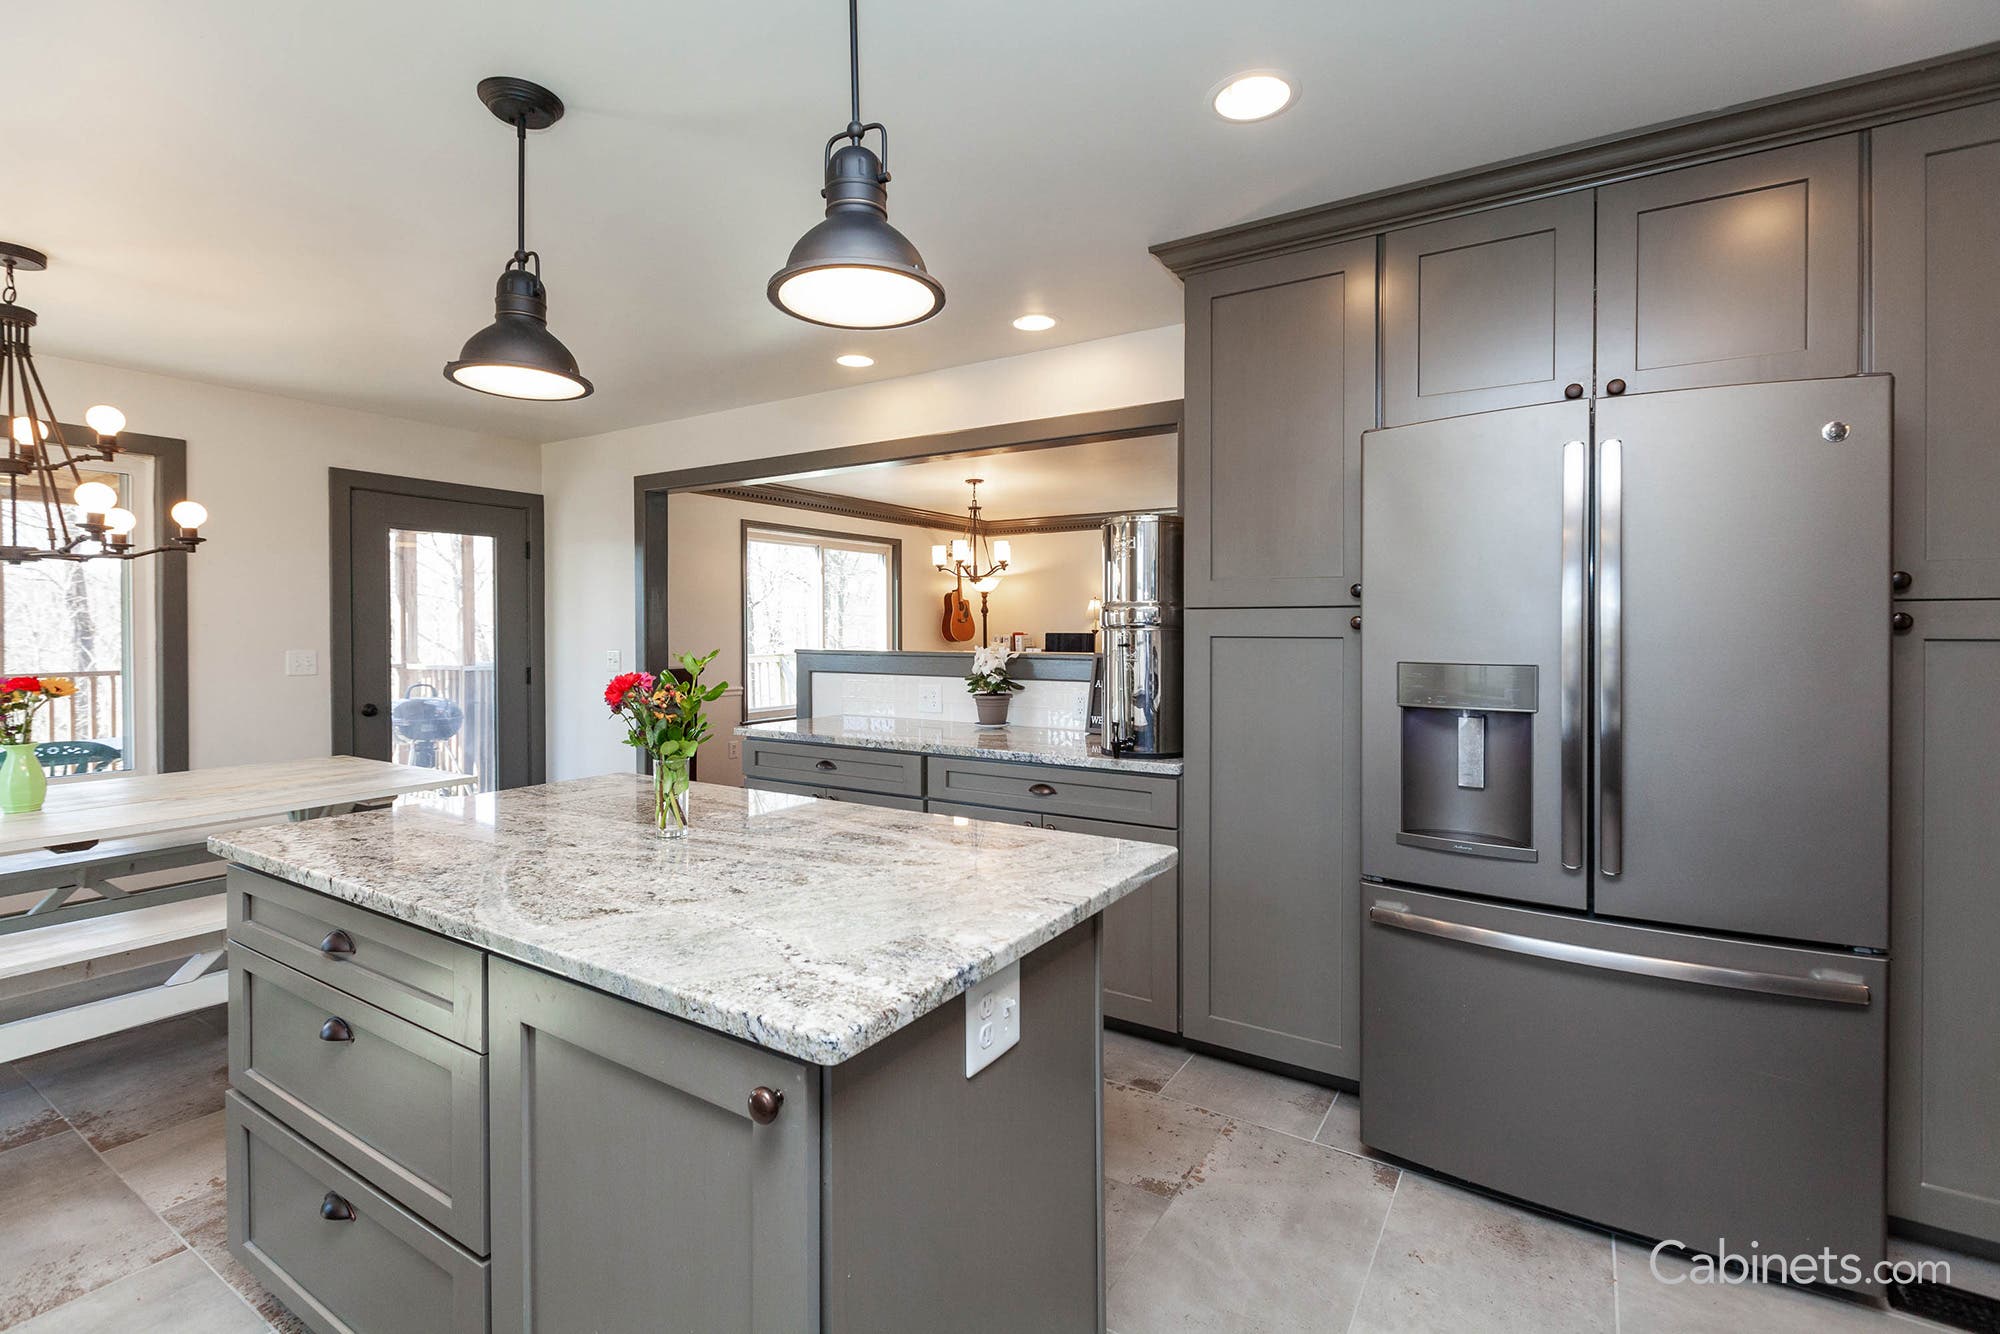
x=958, y=625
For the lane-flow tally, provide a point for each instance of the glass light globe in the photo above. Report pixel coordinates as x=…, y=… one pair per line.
x=190, y=513
x=96, y=498
x=105, y=419
x=121, y=521
x=27, y=430
x=855, y=296
x=937, y=555
x=988, y=584
x=1003, y=550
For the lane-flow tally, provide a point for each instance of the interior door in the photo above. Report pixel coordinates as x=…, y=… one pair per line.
x=439, y=614
x=1743, y=659
x=1473, y=533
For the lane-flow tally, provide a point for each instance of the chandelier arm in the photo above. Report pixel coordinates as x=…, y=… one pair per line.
x=50, y=468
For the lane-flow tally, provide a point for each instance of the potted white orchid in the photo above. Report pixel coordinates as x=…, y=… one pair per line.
x=991, y=687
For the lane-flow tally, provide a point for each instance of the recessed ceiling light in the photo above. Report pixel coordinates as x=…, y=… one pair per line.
x=1035, y=323
x=1253, y=95
x=854, y=359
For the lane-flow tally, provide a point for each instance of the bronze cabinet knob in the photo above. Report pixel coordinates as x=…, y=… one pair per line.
x=1900, y=581
x=765, y=1104
x=1354, y=622
x=335, y=1029
x=337, y=942
x=1614, y=387
x=1902, y=622
x=336, y=1210
x=1354, y=590
x=1572, y=391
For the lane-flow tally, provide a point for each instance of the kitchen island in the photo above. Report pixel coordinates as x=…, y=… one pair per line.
x=513, y=1062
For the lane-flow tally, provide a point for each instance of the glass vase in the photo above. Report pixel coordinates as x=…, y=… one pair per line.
x=670, y=797
x=23, y=781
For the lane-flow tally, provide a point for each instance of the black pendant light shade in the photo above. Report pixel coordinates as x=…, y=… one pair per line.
x=516, y=356
x=854, y=270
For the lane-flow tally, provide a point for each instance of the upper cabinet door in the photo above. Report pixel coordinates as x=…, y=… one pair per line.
x=1937, y=322
x=1734, y=272
x=1488, y=311
x=1280, y=386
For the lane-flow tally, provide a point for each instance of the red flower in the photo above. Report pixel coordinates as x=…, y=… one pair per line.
x=624, y=684
x=29, y=683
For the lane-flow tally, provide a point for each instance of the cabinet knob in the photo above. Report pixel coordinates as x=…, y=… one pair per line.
x=1041, y=789
x=1354, y=622
x=1354, y=590
x=1902, y=622
x=765, y=1104
x=828, y=765
x=1614, y=387
x=1900, y=580
x=337, y=942
x=335, y=1029
x=1572, y=391
x=336, y=1210
x=369, y=710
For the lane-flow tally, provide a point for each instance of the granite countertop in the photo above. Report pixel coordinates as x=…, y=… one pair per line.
x=808, y=927
x=936, y=736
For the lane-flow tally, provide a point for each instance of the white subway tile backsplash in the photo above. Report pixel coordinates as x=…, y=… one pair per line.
x=1060, y=704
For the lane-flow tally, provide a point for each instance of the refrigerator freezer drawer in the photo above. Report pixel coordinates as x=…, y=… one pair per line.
x=1715, y=1092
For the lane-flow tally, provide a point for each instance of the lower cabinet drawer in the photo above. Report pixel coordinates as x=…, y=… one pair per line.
x=1089, y=794
x=394, y=1101
x=343, y=1256
x=882, y=799
x=966, y=812
x=851, y=767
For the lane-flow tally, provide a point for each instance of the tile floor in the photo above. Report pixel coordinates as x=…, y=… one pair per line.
x=1235, y=1200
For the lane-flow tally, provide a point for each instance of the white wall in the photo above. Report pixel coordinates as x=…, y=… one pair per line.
x=260, y=584
x=588, y=483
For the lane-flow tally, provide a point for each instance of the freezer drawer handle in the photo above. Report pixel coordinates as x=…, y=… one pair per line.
x=1672, y=970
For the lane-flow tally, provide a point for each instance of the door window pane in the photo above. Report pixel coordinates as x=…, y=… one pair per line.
x=441, y=652
x=802, y=591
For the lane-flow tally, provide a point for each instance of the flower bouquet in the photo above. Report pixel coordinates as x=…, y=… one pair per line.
x=663, y=717
x=991, y=687
x=23, y=782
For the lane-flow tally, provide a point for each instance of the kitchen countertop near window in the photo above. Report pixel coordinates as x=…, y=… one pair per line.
x=930, y=736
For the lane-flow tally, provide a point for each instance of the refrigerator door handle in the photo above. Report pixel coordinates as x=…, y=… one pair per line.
x=1837, y=990
x=1575, y=621
x=1610, y=658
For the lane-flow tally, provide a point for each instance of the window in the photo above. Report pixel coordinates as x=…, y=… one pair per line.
x=90, y=620
x=806, y=590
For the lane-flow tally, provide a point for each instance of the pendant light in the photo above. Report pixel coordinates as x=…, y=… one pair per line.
x=516, y=356
x=855, y=271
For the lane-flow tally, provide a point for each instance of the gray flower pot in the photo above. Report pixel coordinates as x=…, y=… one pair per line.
x=993, y=708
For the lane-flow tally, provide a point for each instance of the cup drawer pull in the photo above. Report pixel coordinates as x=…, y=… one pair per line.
x=1041, y=789
x=827, y=765
x=335, y=1029
x=336, y=1210
x=337, y=942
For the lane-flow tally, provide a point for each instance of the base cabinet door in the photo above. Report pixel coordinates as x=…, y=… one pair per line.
x=1141, y=959
x=1271, y=858
x=1944, y=1050
x=632, y=1188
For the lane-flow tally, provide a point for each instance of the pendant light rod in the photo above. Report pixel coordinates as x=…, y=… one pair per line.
x=854, y=69
x=521, y=192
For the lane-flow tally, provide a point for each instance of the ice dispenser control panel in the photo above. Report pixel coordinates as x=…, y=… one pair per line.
x=1468, y=735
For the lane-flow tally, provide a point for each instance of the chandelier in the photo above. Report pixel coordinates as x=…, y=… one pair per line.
x=962, y=560
x=42, y=462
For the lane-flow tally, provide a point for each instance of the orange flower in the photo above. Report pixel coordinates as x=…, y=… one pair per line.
x=58, y=687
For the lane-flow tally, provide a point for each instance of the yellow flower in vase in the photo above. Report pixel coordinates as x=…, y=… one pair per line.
x=58, y=687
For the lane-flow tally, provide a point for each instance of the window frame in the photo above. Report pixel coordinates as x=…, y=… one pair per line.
x=820, y=538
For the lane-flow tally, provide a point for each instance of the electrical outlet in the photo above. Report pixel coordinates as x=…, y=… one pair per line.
x=301, y=662
x=735, y=749
x=930, y=697
x=611, y=659
x=992, y=1018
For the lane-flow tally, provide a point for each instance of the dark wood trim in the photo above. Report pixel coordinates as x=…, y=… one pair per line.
x=1921, y=88
x=342, y=483
x=748, y=526
x=886, y=511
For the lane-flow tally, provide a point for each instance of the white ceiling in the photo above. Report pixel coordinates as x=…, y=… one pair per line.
x=309, y=200
x=1136, y=474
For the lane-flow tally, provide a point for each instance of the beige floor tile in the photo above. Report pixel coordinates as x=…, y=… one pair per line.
x=25, y=1115
x=1342, y=1127
x=1129, y=1214
x=204, y=1222
x=1140, y=1062
x=1153, y=1142
x=1263, y=1099
x=1270, y=1233
x=1648, y=1305
x=68, y=1227
x=118, y=1088
x=1453, y=1260
x=1967, y=1271
x=179, y=1295
x=175, y=1165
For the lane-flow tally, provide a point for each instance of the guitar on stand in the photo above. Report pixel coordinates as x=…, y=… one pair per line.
x=958, y=625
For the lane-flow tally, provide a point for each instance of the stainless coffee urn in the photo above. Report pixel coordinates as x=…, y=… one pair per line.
x=1141, y=621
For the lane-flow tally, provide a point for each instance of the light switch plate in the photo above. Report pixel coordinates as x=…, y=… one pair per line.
x=611, y=659
x=992, y=1018
x=301, y=662
x=930, y=697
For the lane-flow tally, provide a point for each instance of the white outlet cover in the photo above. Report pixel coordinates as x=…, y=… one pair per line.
x=930, y=697
x=611, y=659
x=992, y=1018
x=301, y=662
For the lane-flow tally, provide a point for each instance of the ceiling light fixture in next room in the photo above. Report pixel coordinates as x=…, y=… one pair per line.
x=855, y=360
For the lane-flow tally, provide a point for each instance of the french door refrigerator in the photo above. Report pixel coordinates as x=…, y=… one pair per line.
x=1625, y=713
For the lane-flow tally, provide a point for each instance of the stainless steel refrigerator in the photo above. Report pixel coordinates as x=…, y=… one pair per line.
x=1625, y=808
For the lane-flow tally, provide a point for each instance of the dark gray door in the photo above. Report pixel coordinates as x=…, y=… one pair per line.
x=1743, y=659
x=1270, y=876
x=1944, y=1062
x=1743, y=270
x=1936, y=284
x=1488, y=311
x=437, y=628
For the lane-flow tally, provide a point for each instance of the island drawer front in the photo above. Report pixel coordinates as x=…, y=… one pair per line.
x=994, y=813
x=892, y=771
x=395, y=1102
x=414, y=974
x=380, y=1271
x=887, y=801
x=1090, y=794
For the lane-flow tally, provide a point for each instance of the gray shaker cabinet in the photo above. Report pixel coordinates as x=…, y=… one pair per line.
x=1280, y=386
x=1491, y=310
x=701, y=1215
x=1738, y=271
x=1936, y=242
x=1944, y=1049
x=1271, y=852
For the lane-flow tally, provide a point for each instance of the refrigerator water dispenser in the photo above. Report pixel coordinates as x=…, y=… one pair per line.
x=1468, y=757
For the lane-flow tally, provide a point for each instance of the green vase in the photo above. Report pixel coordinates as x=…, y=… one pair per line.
x=23, y=783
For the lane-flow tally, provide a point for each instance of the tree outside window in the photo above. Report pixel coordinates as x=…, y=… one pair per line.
x=807, y=590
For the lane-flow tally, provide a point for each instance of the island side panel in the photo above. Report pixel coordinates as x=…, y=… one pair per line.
x=972, y=1204
x=632, y=1188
